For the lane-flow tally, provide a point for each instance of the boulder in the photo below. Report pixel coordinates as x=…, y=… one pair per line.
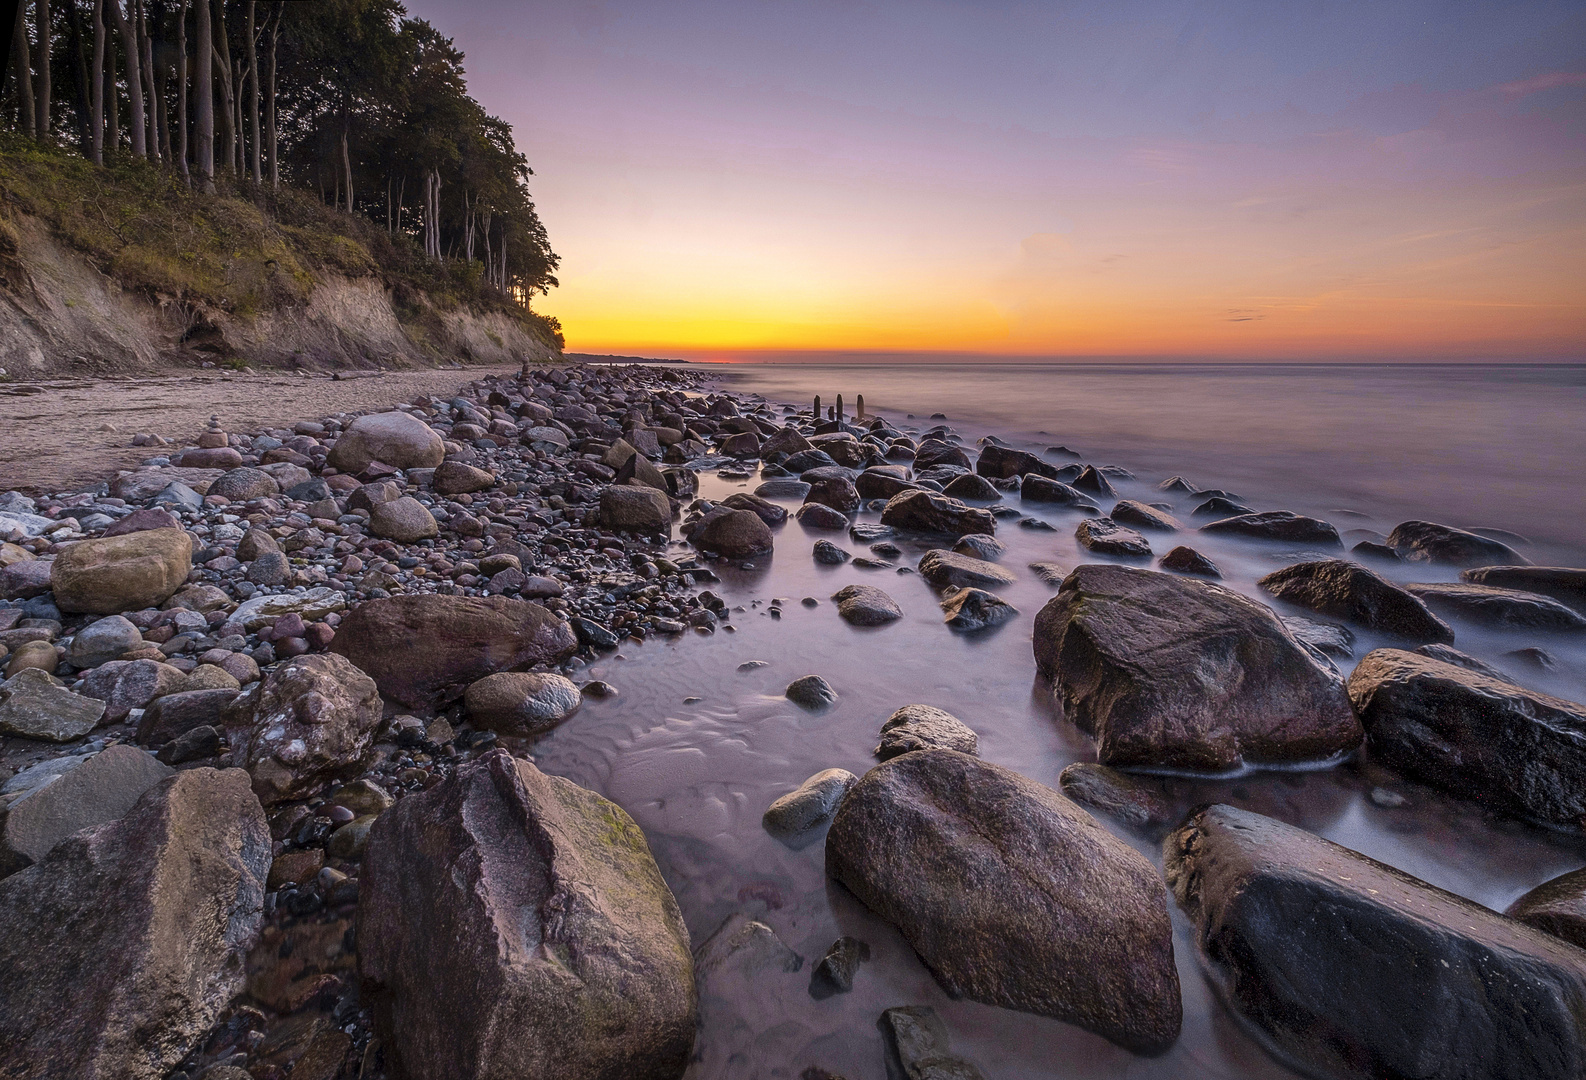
x=240, y=485
x=1093, y=480
x=939, y=452
x=1186, y=560
x=1011, y=894
x=102, y=640
x=928, y=512
x=405, y=520
x=918, y=1047
x=980, y=546
x=635, y=509
x=141, y=521
x=1426, y=541
x=1500, y=608
x=421, y=647
x=1344, y=590
x=459, y=478
x=768, y=511
x=399, y=440
x=311, y=720
x=968, y=486
x=943, y=568
x=1451, y=655
x=811, y=692
x=976, y=609
x=1105, y=536
x=1002, y=463
x=1170, y=672
x=1354, y=969
x=1556, y=907
x=174, y=715
x=1142, y=516
x=924, y=727
x=1042, y=489
x=125, y=944
x=809, y=806
x=829, y=554
x=1472, y=735
x=1133, y=800
x=866, y=605
x=836, y=492
x=639, y=469
x=124, y=685
x=785, y=440
x=820, y=516
x=101, y=789
x=1280, y=526
x=733, y=534
x=209, y=457
x=25, y=579
x=1219, y=506
x=521, y=703
x=783, y=489
x=1562, y=583
x=34, y=706
x=124, y=573
x=881, y=482
x=595, y=980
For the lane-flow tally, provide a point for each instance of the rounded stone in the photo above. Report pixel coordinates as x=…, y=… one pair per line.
x=404, y=520
x=101, y=641
x=521, y=703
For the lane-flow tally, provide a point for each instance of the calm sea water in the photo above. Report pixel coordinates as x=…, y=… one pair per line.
x=696, y=749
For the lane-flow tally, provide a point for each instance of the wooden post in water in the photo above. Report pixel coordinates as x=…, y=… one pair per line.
x=859, y=406
x=816, y=412
x=839, y=408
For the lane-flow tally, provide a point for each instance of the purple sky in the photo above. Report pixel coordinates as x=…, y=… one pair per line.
x=1245, y=180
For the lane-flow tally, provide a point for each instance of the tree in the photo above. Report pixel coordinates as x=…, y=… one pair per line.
x=131, y=46
x=204, y=89
x=41, y=93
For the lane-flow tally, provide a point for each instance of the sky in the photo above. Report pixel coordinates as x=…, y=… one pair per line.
x=1306, y=180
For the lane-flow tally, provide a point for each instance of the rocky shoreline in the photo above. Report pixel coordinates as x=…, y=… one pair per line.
x=269, y=703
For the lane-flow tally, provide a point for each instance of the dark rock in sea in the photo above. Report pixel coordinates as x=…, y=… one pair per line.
x=785, y=440
x=1425, y=541
x=1178, y=485
x=943, y=568
x=865, y=605
x=1000, y=463
x=592, y=634
x=1532, y=658
x=1186, y=560
x=1449, y=655
x=866, y=531
x=1329, y=639
x=1136, y=801
x=924, y=727
x=933, y=452
x=809, y=806
x=1500, y=608
x=1219, y=507
x=783, y=489
x=1142, y=516
x=1556, y=907
x=834, y=973
x=732, y=534
x=1371, y=551
x=811, y=692
x=421, y=646
x=882, y=482
x=1562, y=583
x=980, y=546
x=837, y=493
x=1106, y=537
x=1011, y=894
x=1041, y=489
x=596, y=978
x=805, y=460
x=820, y=516
x=970, y=486
x=1473, y=735
x=1171, y=672
x=1356, y=970
x=1049, y=573
x=976, y=609
x=1278, y=525
x=766, y=510
x=1343, y=590
x=125, y=944
x=1095, y=481
x=928, y=512
x=1035, y=524
x=829, y=554
x=918, y=1046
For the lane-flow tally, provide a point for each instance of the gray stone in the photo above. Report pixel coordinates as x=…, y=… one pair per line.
x=1041, y=489
x=866, y=605
x=733, y=534
x=829, y=554
x=943, y=568
x=404, y=520
x=1563, y=583
x=240, y=485
x=1186, y=560
x=122, y=573
x=521, y=703
x=980, y=546
x=1500, y=608
x=976, y=609
x=395, y=438
x=1134, y=801
x=636, y=509
x=924, y=727
x=811, y=692
x=1106, y=537
x=809, y=806
x=1344, y=590
x=102, y=640
x=929, y=512
x=124, y=685
x=1426, y=541
x=919, y=1048
x=1011, y=894
x=834, y=973
x=1142, y=516
x=35, y=706
x=820, y=516
x=270, y=568
x=459, y=478
x=1556, y=907
x=101, y=788
x=1279, y=526
x=173, y=715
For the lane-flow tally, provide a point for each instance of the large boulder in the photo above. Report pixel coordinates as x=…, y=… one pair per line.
x=1001, y=463
x=837, y=492
x=1043, y=489
x=101, y=789
x=312, y=720
x=768, y=511
x=928, y=512
x=1345, y=590
x=34, y=706
x=1281, y=526
x=1011, y=894
x=512, y=923
x=1473, y=735
x=1427, y=541
x=395, y=438
x=1498, y=607
x=421, y=647
x=1105, y=536
x=1170, y=672
x=943, y=568
x=1563, y=583
x=122, y=573
x=1354, y=969
x=638, y=509
x=733, y=534
x=125, y=944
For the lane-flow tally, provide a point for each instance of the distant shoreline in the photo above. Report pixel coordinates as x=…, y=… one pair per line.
x=611, y=358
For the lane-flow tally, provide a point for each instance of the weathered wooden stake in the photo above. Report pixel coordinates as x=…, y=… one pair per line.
x=839, y=408
x=859, y=406
x=817, y=411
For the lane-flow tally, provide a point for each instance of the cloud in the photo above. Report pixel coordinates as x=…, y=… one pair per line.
x=1551, y=81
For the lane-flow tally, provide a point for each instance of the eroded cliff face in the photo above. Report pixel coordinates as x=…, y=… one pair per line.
x=61, y=316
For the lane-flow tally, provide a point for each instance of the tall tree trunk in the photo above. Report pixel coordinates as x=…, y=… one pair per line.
x=222, y=50
x=204, y=87
x=275, y=164
x=77, y=51
x=151, y=117
x=346, y=163
x=181, y=93
x=253, y=93
x=112, y=97
x=130, y=45
x=97, y=107
x=41, y=94
x=27, y=111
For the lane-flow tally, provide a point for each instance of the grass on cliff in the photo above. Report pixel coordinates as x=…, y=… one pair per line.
x=244, y=250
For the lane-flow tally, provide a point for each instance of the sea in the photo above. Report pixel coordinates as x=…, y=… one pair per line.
x=700, y=739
